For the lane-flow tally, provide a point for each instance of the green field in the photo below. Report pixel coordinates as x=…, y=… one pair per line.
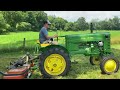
x=15, y=40
x=11, y=49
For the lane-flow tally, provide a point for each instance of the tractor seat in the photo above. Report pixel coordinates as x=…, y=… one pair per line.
x=42, y=45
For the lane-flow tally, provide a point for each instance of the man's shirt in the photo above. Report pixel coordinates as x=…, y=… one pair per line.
x=43, y=33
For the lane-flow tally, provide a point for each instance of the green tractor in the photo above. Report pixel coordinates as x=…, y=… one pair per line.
x=54, y=60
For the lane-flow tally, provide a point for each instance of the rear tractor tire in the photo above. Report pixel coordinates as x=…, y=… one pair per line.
x=109, y=65
x=54, y=62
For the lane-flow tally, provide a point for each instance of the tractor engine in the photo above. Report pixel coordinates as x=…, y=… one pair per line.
x=88, y=44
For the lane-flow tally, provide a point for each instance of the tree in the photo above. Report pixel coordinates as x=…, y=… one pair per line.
x=107, y=24
x=36, y=18
x=95, y=23
x=40, y=17
x=57, y=23
x=3, y=25
x=75, y=26
x=83, y=25
x=13, y=17
x=23, y=26
x=116, y=22
x=69, y=26
x=52, y=20
x=60, y=23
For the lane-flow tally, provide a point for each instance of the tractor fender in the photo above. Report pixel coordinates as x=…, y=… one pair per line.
x=58, y=46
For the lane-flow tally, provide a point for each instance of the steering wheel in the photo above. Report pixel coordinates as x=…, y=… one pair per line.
x=51, y=39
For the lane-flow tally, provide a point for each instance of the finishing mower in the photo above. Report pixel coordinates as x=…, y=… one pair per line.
x=20, y=69
x=54, y=60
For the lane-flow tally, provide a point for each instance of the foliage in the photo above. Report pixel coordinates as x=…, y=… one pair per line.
x=82, y=24
x=10, y=21
x=3, y=25
x=23, y=26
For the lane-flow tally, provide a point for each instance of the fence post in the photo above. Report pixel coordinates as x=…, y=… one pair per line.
x=24, y=43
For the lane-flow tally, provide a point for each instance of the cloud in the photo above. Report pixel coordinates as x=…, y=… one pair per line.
x=89, y=15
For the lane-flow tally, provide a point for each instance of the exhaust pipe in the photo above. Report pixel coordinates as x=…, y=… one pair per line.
x=91, y=27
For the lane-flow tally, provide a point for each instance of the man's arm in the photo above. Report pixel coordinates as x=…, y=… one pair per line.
x=47, y=36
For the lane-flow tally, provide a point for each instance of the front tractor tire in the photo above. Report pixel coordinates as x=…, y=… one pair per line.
x=95, y=60
x=54, y=62
x=109, y=65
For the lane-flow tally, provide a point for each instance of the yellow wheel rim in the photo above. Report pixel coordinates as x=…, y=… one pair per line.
x=96, y=60
x=54, y=64
x=110, y=66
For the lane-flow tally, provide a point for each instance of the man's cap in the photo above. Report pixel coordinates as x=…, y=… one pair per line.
x=47, y=21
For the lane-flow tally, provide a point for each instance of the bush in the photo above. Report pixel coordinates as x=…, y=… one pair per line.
x=23, y=26
x=2, y=24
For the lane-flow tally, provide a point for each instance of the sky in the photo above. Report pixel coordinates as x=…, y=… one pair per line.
x=89, y=15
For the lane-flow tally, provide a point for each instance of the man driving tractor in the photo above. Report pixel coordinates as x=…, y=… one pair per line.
x=44, y=38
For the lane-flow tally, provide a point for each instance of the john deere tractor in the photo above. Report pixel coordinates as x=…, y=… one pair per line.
x=54, y=60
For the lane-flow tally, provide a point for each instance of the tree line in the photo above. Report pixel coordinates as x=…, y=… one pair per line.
x=14, y=21
x=82, y=24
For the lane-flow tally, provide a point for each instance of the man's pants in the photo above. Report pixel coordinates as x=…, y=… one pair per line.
x=50, y=42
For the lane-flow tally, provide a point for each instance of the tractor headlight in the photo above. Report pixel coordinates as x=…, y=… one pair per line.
x=100, y=43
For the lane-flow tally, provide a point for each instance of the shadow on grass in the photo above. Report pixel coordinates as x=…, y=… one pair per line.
x=80, y=66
